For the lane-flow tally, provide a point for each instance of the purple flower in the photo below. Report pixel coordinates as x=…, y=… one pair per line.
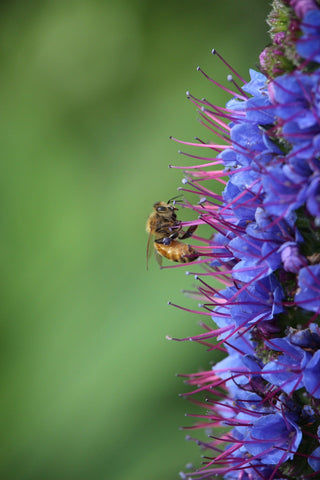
x=301, y=7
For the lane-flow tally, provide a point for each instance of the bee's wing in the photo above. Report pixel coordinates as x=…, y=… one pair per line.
x=148, y=249
x=158, y=257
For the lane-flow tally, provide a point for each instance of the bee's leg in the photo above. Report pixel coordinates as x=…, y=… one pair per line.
x=189, y=232
x=175, y=229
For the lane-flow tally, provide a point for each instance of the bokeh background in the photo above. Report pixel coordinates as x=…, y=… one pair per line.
x=90, y=91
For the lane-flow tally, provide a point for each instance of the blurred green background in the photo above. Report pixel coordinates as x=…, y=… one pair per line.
x=90, y=92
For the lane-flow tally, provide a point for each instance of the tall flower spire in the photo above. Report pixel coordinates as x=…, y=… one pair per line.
x=265, y=252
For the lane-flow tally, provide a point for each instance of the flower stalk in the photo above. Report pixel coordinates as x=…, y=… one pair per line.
x=264, y=251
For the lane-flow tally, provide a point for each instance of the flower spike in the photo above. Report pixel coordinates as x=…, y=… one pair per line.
x=259, y=266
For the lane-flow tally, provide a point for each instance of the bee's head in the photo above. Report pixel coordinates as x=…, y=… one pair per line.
x=164, y=207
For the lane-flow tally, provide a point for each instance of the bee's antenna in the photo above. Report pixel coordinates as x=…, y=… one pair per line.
x=174, y=198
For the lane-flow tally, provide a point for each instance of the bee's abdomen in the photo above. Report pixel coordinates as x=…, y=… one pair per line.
x=177, y=251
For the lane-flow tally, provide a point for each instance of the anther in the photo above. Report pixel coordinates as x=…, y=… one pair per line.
x=183, y=476
x=214, y=52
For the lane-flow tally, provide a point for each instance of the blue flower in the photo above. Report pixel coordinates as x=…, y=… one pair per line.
x=274, y=438
x=311, y=378
x=308, y=295
x=283, y=195
x=256, y=85
x=291, y=257
x=258, y=249
x=296, y=100
x=313, y=197
x=286, y=370
x=308, y=338
x=308, y=46
x=314, y=460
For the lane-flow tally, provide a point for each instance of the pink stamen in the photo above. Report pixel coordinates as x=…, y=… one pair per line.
x=215, y=52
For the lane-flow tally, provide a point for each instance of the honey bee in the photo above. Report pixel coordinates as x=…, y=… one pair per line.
x=167, y=231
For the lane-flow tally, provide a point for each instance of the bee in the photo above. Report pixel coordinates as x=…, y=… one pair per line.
x=167, y=231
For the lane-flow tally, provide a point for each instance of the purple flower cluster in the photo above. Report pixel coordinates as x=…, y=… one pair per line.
x=265, y=250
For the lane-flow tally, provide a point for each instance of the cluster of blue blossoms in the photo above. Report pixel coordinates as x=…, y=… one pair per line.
x=264, y=396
